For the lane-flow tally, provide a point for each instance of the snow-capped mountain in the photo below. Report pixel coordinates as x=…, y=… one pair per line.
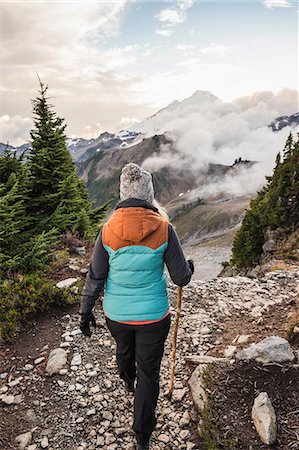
x=284, y=121
x=200, y=102
x=82, y=149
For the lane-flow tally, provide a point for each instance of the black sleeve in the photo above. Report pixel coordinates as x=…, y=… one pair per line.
x=179, y=269
x=96, y=276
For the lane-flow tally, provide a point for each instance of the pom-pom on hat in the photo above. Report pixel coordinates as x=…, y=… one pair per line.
x=136, y=182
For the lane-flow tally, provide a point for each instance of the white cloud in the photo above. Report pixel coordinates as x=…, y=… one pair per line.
x=277, y=4
x=127, y=122
x=171, y=17
x=185, y=47
x=185, y=4
x=285, y=101
x=165, y=32
x=91, y=131
x=14, y=130
x=207, y=130
x=216, y=49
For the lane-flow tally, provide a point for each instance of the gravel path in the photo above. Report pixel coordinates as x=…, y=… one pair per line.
x=86, y=406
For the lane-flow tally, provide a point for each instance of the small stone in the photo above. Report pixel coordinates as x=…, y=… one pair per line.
x=76, y=360
x=178, y=394
x=80, y=420
x=163, y=438
x=184, y=434
x=205, y=330
x=15, y=382
x=94, y=390
x=23, y=440
x=32, y=447
x=44, y=442
x=100, y=441
x=66, y=283
x=107, y=415
x=8, y=399
x=229, y=351
x=30, y=415
x=108, y=383
x=39, y=360
x=243, y=338
x=64, y=344
x=74, y=267
x=57, y=359
x=18, y=399
x=91, y=412
x=76, y=332
x=81, y=251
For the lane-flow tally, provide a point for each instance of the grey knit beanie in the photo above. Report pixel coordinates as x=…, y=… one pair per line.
x=136, y=182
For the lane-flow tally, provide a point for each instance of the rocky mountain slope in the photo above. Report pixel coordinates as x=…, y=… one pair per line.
x=85, y=406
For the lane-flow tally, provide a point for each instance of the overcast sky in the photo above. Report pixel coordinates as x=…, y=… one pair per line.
x=110, y=64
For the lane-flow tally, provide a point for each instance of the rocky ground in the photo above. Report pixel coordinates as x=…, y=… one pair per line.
x=86, y=406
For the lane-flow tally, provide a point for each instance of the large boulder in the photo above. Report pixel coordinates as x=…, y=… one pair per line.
x=264, y=419
x=273, y=349
x=57, y=359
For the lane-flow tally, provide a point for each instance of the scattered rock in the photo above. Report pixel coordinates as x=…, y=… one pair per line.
x=229, y=351
x=76, y=360
x=81, y=251
x=273, y=349
x=178, y=394
x=23, y=440
x=264, y=418
x=44, y=442
x=8, y=399
x=57, y=359
x=197, y=387
x=164, y=438
x=30, y=415
x=66, y=283
x=39, y=360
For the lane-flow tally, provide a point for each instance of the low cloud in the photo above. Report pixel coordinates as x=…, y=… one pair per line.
x=208, y=131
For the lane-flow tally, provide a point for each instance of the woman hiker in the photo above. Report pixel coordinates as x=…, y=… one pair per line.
x=128, y=264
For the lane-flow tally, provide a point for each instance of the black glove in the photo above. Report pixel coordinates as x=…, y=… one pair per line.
x=191, y=265
x=84, y=324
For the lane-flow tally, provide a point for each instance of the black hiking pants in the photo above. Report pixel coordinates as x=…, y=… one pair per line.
x=141, y=345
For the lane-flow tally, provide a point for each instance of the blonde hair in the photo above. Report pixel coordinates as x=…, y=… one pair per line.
x=162, y=211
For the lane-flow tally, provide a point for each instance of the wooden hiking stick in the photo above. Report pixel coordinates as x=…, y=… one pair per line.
x=174, y=341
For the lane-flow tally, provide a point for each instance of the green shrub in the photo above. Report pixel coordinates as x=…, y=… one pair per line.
x=24, y=295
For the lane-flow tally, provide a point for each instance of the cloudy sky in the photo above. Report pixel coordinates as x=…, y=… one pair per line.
x=110, y=64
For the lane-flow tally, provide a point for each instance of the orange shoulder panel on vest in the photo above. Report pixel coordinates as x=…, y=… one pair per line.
x=135, y=226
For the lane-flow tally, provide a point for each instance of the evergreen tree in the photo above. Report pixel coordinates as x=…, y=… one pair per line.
x=9, y=163
x=276, y=206
x=50, y=164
